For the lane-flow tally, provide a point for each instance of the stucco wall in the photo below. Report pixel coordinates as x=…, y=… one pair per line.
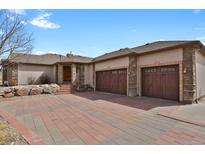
x=168, y=57
x=160, y=57
x=88, y=74
x=117, y=63
x=35, y=71
x=60, y=73
x=112, y=64
x=200, y=74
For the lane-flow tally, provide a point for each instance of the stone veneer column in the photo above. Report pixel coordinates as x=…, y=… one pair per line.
x=60, y=74
x=189, y=74
x=80, y=74
x=54, y=74
x=132, y=76
x=73, y=73
x=94, y=77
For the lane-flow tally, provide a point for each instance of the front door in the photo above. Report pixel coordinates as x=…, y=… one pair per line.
x=66, y=73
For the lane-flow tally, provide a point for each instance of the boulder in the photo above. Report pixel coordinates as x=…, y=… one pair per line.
x=7, y=89
x=47, y=90
x=23, y=91
x=36, y=91
x=16, y=88
x=8, y=95
x=55, y=87
x=1, y=92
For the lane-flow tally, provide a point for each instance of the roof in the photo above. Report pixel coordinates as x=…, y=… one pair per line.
x=159, y=45
x=46, y=59
x=50, y=59
x=121, y=52
x=149, y=47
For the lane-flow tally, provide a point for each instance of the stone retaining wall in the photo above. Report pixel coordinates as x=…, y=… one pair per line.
x=28, y=90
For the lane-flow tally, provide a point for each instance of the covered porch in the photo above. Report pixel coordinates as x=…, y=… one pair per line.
x=69, y=73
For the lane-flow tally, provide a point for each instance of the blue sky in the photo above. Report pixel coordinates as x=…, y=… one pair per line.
x=95, y=32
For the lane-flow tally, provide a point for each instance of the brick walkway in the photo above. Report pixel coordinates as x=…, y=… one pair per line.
x=97, y=118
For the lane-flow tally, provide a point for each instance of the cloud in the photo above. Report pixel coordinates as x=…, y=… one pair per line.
x=42, y=21
x=197, y=11
x=12, y=17
x=18, y=11
x=24, y=22
x=44, y=52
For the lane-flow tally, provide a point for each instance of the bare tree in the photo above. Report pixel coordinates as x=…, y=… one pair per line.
x=13, y=35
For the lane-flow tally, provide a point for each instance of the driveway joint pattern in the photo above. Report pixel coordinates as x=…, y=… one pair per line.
x=99, y=118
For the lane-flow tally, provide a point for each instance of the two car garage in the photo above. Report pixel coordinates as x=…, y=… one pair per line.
x=160, y=82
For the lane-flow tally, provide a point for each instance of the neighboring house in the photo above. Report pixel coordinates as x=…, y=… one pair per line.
x=172, y=70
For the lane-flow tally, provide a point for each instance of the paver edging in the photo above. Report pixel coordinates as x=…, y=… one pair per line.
x=167, y=113
x=27, y=133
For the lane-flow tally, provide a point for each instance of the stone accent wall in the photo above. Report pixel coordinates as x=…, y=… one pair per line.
x=80, y=77
x=73, y=74
x=94, y=77
x=189, y=74
x=12, y=74
x=54, y=73
x=60, y=73
x=132, y=76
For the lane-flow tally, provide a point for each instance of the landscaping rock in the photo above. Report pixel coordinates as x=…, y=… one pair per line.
x=8, y=95
x=55, y=87
x=29, y=90
x=23, y=91
x=1, y=92
x=7, y=89
x=47, y=90
x=36, y=91
x=16, y=88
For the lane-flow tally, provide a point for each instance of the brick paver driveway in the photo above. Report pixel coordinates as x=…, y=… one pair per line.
x=97, y=118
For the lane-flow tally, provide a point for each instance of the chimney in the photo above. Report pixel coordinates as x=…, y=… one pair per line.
x=70, y=54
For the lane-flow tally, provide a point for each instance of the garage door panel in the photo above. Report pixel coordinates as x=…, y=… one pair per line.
x=162, y=82
x=113, y=81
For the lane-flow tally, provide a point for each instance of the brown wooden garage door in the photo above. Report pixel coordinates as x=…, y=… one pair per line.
x=162, y=82
x=113, y=81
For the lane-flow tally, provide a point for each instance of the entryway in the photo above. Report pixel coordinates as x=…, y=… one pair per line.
x=66, y=73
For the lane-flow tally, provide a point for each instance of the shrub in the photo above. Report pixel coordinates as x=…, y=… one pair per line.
x=31, y=80
x=45, y=79
x=13, y=83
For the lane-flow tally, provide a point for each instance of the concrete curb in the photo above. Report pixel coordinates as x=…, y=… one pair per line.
x=167, y=113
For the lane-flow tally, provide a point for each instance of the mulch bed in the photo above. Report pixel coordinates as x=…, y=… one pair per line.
x=9, y=135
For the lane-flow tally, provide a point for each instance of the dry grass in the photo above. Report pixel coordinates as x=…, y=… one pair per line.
x=9, y=135
x=5, y=137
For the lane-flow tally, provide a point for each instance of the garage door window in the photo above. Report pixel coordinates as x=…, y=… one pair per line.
x=169, y=69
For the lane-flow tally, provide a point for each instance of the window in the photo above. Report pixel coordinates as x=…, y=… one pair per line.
x=168, y=69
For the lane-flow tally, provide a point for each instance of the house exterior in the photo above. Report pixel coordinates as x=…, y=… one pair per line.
x=172, y=70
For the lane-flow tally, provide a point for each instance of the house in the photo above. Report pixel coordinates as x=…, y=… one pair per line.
x=172, y=70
